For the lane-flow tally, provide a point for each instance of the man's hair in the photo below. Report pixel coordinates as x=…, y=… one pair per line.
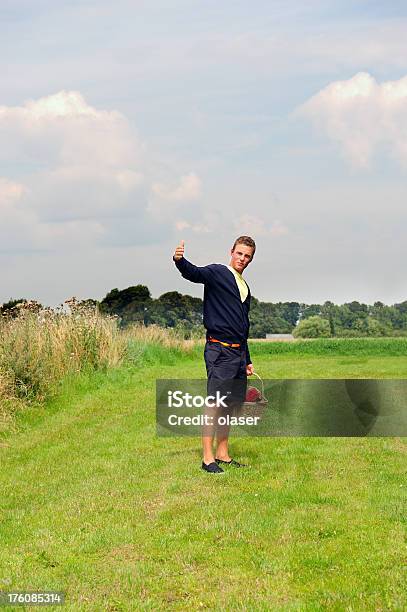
x=247, y=241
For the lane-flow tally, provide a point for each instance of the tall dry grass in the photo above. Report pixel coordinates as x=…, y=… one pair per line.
x=169, y=338
x=40, y=347
x=9, y=402
x=156, y=345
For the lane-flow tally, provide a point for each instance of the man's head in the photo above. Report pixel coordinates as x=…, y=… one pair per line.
x=242, y=253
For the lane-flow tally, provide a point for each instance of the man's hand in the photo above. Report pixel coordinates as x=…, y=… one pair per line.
x=249, y=369
x=179, y=251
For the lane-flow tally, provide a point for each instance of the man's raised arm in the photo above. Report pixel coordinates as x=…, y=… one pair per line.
x=192, y=273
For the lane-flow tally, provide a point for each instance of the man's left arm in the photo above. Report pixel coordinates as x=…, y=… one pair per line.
x=249, y=365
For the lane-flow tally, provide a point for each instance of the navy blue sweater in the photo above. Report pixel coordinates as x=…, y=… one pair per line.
x=226, y=317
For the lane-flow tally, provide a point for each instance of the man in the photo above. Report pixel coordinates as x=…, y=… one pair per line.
x=226, y=319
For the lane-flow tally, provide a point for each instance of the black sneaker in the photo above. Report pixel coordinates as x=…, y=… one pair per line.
x=213, y=468
x=231, y=462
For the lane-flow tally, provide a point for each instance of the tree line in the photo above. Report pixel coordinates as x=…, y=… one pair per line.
x=173, y=309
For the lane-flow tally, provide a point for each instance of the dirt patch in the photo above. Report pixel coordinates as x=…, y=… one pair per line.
x=126, y=552
x=399, y=445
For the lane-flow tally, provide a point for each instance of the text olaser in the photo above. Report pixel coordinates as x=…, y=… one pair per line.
x=205, y=419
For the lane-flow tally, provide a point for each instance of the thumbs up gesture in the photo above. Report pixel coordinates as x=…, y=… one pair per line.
x=179, y=251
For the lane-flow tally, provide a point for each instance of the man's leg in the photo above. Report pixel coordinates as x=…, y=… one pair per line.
x=214, y=428
x=207, y=445
x=212, y=353
x=238, y=391
x=222, y=435
x=222, y=442
x=208, y=435
x=225, y=367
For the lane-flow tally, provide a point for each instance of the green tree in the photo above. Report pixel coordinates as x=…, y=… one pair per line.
x=309, y=310
x=8, y=309
x=328, y=312
x=175, y=307
x=375, y=328
x=130, y=304
x=312, y=327
x=290, y=312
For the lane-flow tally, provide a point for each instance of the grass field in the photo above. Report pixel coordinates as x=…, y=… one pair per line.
x=95, y=505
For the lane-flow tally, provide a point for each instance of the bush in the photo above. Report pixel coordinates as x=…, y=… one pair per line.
x=312, y=327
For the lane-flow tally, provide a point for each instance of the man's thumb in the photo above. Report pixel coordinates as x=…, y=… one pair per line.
x=182, y=243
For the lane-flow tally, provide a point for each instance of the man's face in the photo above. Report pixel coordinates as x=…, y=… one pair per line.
x=241, y=257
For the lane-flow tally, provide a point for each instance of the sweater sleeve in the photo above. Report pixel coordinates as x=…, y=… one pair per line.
x=193, y=273
x=248, y=359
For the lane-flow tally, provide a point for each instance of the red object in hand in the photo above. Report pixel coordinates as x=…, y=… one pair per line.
x=253, y=395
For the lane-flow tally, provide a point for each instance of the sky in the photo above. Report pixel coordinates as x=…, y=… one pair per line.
x=126, y=127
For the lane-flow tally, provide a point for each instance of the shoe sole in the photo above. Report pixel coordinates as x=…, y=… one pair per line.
x=222, y=472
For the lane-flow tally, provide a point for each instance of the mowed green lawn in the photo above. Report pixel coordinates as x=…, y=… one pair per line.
x=95, y=505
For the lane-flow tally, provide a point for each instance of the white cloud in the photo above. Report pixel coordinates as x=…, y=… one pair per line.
x=77, y=164
x=181, y=225
x=249, y=224
x=64, y=129
x=362, y=117
x=316, y=48
x=78, y=160
x=278, y=229
x=9, y=192
x=252, y=225
x=188, y=189
x=71, y=233
x=62, y=104
x=169, y=200
x=22, y=230
x=128, y=179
